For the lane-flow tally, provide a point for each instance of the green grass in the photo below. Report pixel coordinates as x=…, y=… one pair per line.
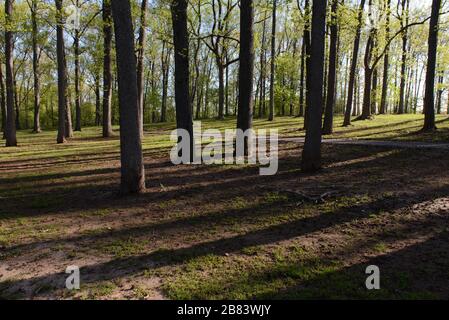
x=211, y=243
x=382, y=127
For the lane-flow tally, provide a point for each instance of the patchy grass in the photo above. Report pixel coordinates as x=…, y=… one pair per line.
x=213, y=232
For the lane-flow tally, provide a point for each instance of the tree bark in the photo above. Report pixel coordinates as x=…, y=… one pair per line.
x=263, y=70
x=374, y=91
x=36, y=71
x=404, y=22
x=332, y=73
x=2, y=102
x=355, y=54
x=273, y=60
x=140, y=62
x=132, y=166
x=97, y=100
x=246, y=72
x=311, y=156
x=429, y=97
x=221, y=88
x=308, y=52
x=440, y=92
x=367, y=92
x=76, y=45
x=383, y=102
x=107, y=69
x=16, y=102
x=165, y=73
x=184, y=118
x=10, y=132
x=62, y=74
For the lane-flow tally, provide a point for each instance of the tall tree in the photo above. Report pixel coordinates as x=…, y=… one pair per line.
x=370, y=48
x=354, y=62
x=383, y=101
x=140, y=62
x=182, y=72
x=62, y=73
x=10, y=132
x=36, y=69
x=405, y=6
x=107, y=69
x=165, y=66
x=218, y=41
x=246, y=72
x=305, y=58
x=439, y=91
x=273, y=60
x=132, y=166
x=2, y=101
x=429, y=96
x=97, y=98
x=76, y=47
x=332, y=73
x=311, y=156
x=307, y=52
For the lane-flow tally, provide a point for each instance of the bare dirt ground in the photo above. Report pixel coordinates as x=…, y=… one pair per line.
x=226, y=232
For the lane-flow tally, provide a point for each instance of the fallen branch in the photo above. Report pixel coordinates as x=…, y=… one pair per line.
x=312, y=199
x=305, y=197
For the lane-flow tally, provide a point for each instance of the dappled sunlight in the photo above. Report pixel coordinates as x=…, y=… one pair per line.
x=63, y=209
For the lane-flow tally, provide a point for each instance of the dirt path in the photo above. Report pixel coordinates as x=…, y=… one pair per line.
x=376, y=143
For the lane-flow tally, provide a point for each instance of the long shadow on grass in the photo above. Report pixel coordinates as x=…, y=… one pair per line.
x=210, y=183
x=129, y=266
x=210, y=186
x=72, y=159
x=419, y=271
x=323, y=275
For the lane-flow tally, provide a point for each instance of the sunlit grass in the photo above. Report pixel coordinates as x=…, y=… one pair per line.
x=88, y=142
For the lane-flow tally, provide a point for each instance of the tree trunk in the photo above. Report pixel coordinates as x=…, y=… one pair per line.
x=355, y=54
x=97, y=100
x=263, y=69
x=207, y=95
x=246, y=72
x=302, y=80
x=311, y=156
x=404, y=22
x=273, y=60
x=16, y=103
x=107, y=69
x=182, y=72
x=439, y=92
x=132, y=166
x=76, y=45
x=140, y=63
x=62, y=80
x=221, y=88
x=366, y=104
x=374, y=91
x=332, y=73
x=165, y=74
x=307, y=39
x=2, y=102
x=10, y=133
x=447, y=107
x=227, y=86
x=429, y=97
x=37, y=84
x=383, y=102
x=68, y=112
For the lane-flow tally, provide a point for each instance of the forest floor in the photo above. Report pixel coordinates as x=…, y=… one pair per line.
x=213, y=232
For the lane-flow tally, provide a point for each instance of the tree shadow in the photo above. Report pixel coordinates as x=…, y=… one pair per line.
x=131, y=265
x=415, y=272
